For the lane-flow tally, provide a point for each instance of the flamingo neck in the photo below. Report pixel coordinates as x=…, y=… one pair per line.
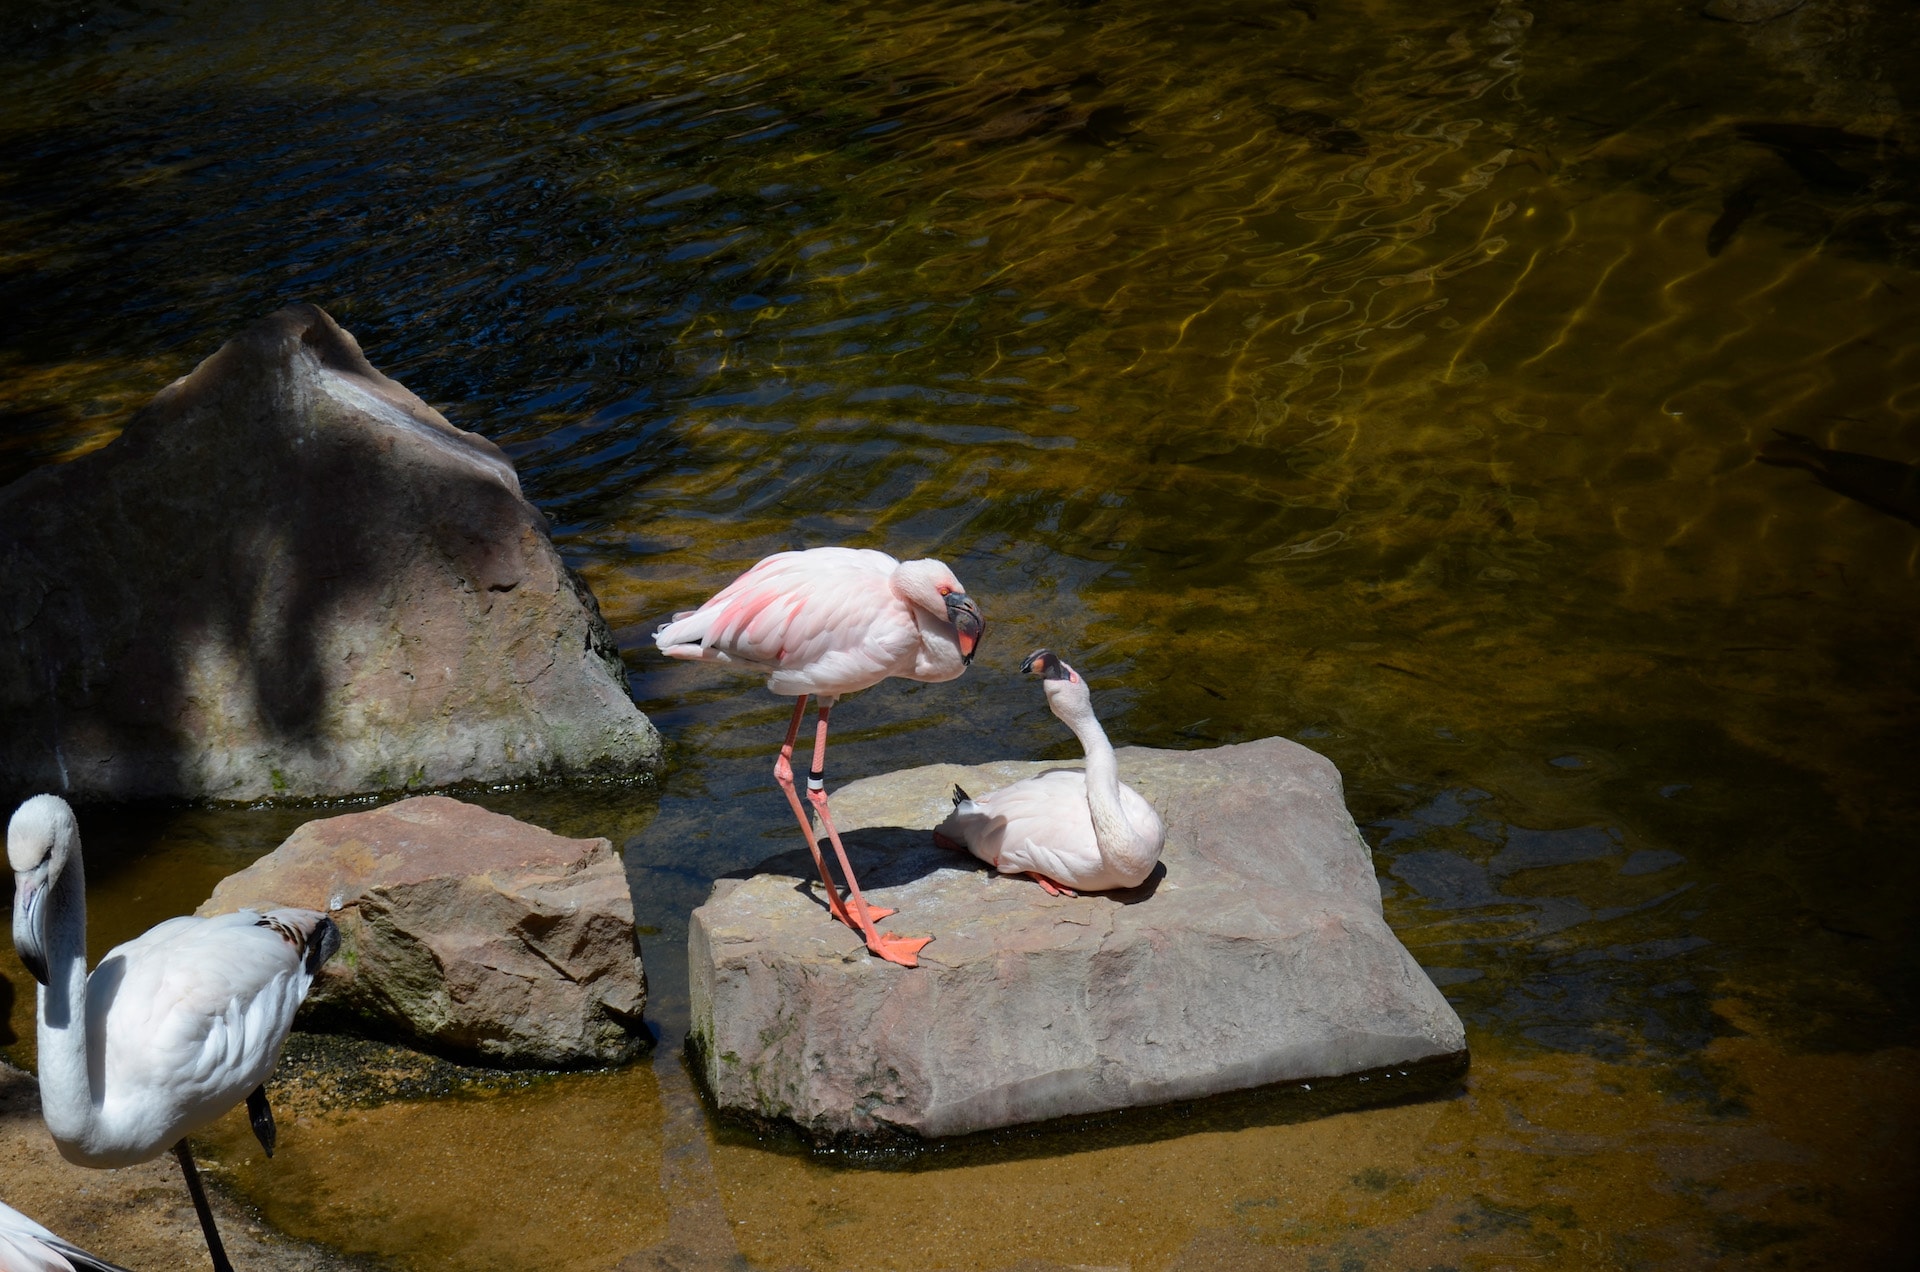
x=66, y=1081
x=938, y=656
x=1113, y=834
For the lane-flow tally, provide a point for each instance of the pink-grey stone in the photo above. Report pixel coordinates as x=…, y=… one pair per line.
x=290, y=577
x=1260, y=955
x=464, y=932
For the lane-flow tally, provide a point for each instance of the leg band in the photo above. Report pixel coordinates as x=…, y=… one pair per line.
x=817, y=780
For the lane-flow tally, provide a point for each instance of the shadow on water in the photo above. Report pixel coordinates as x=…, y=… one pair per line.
x=1888, y=485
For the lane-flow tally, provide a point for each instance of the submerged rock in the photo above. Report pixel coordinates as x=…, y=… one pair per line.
x=289, y=576
x=1749, y=11
x=1256, y=954
x=464, y=932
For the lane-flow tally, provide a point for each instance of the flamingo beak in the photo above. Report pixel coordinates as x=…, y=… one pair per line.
x=29, y=927
x=1047, y=665
x=968, y=626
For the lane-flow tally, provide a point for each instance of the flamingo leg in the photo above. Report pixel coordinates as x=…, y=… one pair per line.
x=783, y=774
x=1053, y=889
x=895, y=949
x=199, y=1194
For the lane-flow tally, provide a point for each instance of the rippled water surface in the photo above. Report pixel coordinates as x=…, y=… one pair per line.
x=1386, y=375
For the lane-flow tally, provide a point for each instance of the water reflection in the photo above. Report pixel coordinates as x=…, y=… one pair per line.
x=1383, y=375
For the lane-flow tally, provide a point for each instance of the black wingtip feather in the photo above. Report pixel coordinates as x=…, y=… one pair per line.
x=960, y=797
x=83, y=1261
x=260, y=1114
x=323, y=945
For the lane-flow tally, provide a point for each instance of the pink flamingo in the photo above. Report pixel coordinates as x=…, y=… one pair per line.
x=826, y=622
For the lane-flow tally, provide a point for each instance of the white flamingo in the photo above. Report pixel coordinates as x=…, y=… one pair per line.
x=171, y=1030
x=25, y=1246
x=826, y=622
x=1067, y=829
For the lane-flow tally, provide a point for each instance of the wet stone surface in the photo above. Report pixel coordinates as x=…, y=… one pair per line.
x=1257, y=953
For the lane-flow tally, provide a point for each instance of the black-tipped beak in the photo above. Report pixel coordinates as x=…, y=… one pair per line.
x=968, y=626
x=29, y=928
x=1047, y=665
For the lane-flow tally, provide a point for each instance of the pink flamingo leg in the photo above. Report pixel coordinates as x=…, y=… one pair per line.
x=1053, y=889
x=783, y=774
x=895, y=949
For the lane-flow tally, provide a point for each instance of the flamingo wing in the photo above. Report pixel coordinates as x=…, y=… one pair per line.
x=1040, y=824
x=192, y=1014
x=26, y=1246
x=824, y=621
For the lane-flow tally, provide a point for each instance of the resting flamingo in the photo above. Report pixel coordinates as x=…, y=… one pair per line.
x=25, y=1246
x=1066, y=829
x=827, y=622
x=171, y=1030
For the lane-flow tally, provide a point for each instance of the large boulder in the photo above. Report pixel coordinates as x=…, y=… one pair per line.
x=1258, y=954
x=463, y=932
x=289, y=576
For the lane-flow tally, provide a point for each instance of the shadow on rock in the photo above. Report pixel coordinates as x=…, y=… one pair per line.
x=291, y=578
x=898, y=856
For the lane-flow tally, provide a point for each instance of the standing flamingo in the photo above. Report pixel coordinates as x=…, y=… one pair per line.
x=25, y=1246
x=1066, y=829
x=171, y=1030
x=826, y=622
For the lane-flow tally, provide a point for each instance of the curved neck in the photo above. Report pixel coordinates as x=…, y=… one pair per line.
x=938, y=656
x=1111, y=830
x=910, y=584
x=66, y=1080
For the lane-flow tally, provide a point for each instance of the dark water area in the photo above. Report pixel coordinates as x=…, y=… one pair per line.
x=1385, y=375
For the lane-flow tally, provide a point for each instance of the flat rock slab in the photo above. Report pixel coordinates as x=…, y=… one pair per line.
x=291, y=577
x=464, y=932
x=1256, y=954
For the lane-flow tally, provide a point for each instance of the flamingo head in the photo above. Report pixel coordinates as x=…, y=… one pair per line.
x=931, y=586
x=41, y=837
x=1062, y=683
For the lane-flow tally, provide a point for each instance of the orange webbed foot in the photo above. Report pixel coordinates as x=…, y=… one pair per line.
x=844, y=912
x=903, y=950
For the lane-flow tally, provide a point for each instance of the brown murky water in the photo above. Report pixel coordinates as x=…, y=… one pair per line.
x=1386, y=375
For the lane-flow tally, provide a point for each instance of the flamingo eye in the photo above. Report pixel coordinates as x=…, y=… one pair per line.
x=943, y=589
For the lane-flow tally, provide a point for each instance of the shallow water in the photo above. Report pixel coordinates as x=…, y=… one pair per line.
x=1385, y=375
